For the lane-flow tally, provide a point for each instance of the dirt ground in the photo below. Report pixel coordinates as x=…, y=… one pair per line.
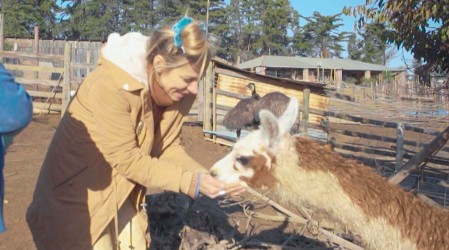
x=176, y=221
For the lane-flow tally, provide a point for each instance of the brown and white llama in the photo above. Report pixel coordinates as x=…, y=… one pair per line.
x=303, y=171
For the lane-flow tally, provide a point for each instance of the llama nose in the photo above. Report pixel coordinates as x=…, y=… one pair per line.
x=213, y=174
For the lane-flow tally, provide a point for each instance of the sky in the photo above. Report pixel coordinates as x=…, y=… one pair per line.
x=332, y=7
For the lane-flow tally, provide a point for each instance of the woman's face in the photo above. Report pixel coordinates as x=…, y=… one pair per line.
x=179, y=82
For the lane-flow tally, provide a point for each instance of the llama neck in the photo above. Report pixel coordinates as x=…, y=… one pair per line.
x=309, y=176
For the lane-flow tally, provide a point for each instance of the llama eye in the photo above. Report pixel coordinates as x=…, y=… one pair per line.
x=243, y=160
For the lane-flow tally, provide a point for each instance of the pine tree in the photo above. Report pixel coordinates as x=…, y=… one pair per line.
x=232, y=38
x=137, y=15
x=274, y=22
x=91, y=19
x=372, y=43
x=370, y=47
x=320, y=36
x=354, y=51
x=20, y=17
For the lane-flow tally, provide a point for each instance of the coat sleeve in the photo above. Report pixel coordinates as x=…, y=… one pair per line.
x=117, y=142
x=15, y=104
x=15, y=114
x=168, y=146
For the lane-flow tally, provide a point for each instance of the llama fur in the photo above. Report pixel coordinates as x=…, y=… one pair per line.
x=302, y=171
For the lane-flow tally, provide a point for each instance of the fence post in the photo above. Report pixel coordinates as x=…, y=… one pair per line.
x=66, y=83
x=88, y=59
x=305, y=114
x=2, y=38
x=399, y=147
x=208, y=96
x=353, y=93
x=36, y=49
x=419, y=158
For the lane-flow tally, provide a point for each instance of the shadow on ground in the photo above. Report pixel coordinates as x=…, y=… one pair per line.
x=178, y=222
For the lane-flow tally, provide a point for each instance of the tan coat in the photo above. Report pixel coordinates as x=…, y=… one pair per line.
x=105, y=148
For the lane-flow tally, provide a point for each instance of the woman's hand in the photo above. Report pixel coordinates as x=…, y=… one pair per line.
x=234, y=188
x=213, y=188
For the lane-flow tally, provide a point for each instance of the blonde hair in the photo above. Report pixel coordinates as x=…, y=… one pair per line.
x=198, y=48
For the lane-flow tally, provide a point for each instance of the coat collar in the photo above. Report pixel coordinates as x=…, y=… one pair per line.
x=121, y=78
x=128, y=52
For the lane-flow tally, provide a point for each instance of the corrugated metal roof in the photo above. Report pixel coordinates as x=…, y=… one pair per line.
x=312, y=63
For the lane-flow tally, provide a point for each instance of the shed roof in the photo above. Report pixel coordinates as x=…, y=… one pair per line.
x=226, y=65
x=313, y=63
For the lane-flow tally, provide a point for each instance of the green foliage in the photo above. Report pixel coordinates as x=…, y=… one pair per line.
x=95, y=19
x=274, y=20
x=419, y=26
x=370, y=47
x=367, y=81
x=87, y=19
x=257, y=28
x=354, y=51
x=350, y=80
x=320, y=37
x=20, y=17
x=216, y=24
x=138, y=16
x=246, y=28
x=388, y=76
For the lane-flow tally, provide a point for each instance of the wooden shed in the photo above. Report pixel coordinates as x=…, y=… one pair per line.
x=224, y=85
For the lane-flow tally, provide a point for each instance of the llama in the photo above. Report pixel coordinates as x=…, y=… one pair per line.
x=303, y=171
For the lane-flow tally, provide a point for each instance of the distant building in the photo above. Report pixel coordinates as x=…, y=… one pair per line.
x=439, y=80
x=325, y=70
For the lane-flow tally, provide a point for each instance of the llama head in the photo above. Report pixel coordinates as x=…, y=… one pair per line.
x=252, y=158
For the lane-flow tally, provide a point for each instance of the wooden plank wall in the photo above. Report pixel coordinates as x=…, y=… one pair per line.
x=230, y=86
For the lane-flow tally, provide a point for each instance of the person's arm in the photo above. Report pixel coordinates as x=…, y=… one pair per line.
x=168, y=145
x=117, y=141
x=16, y=107
x=6, y=140
x=169, y=148
x=15, y=113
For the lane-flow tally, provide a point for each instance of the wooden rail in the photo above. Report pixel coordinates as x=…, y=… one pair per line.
x=50, y=95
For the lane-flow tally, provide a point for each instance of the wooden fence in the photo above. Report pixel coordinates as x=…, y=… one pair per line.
x=393, y=90
x=390, y=147
x=50, y=70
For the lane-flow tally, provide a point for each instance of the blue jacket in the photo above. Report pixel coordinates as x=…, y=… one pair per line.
x=15, y=113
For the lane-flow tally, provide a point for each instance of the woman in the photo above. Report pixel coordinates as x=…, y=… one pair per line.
x=120, y=135
x=16, y=110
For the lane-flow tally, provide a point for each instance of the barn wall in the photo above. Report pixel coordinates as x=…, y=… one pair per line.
x=235, y=84
x=230, y=87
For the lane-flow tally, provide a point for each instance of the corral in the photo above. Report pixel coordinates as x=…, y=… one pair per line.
x=366, y=123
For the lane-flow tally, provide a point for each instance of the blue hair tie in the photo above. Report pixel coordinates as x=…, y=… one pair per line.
x=179, y=27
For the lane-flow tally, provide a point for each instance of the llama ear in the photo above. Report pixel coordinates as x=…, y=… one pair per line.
x=288, y=118
x=269, y=128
